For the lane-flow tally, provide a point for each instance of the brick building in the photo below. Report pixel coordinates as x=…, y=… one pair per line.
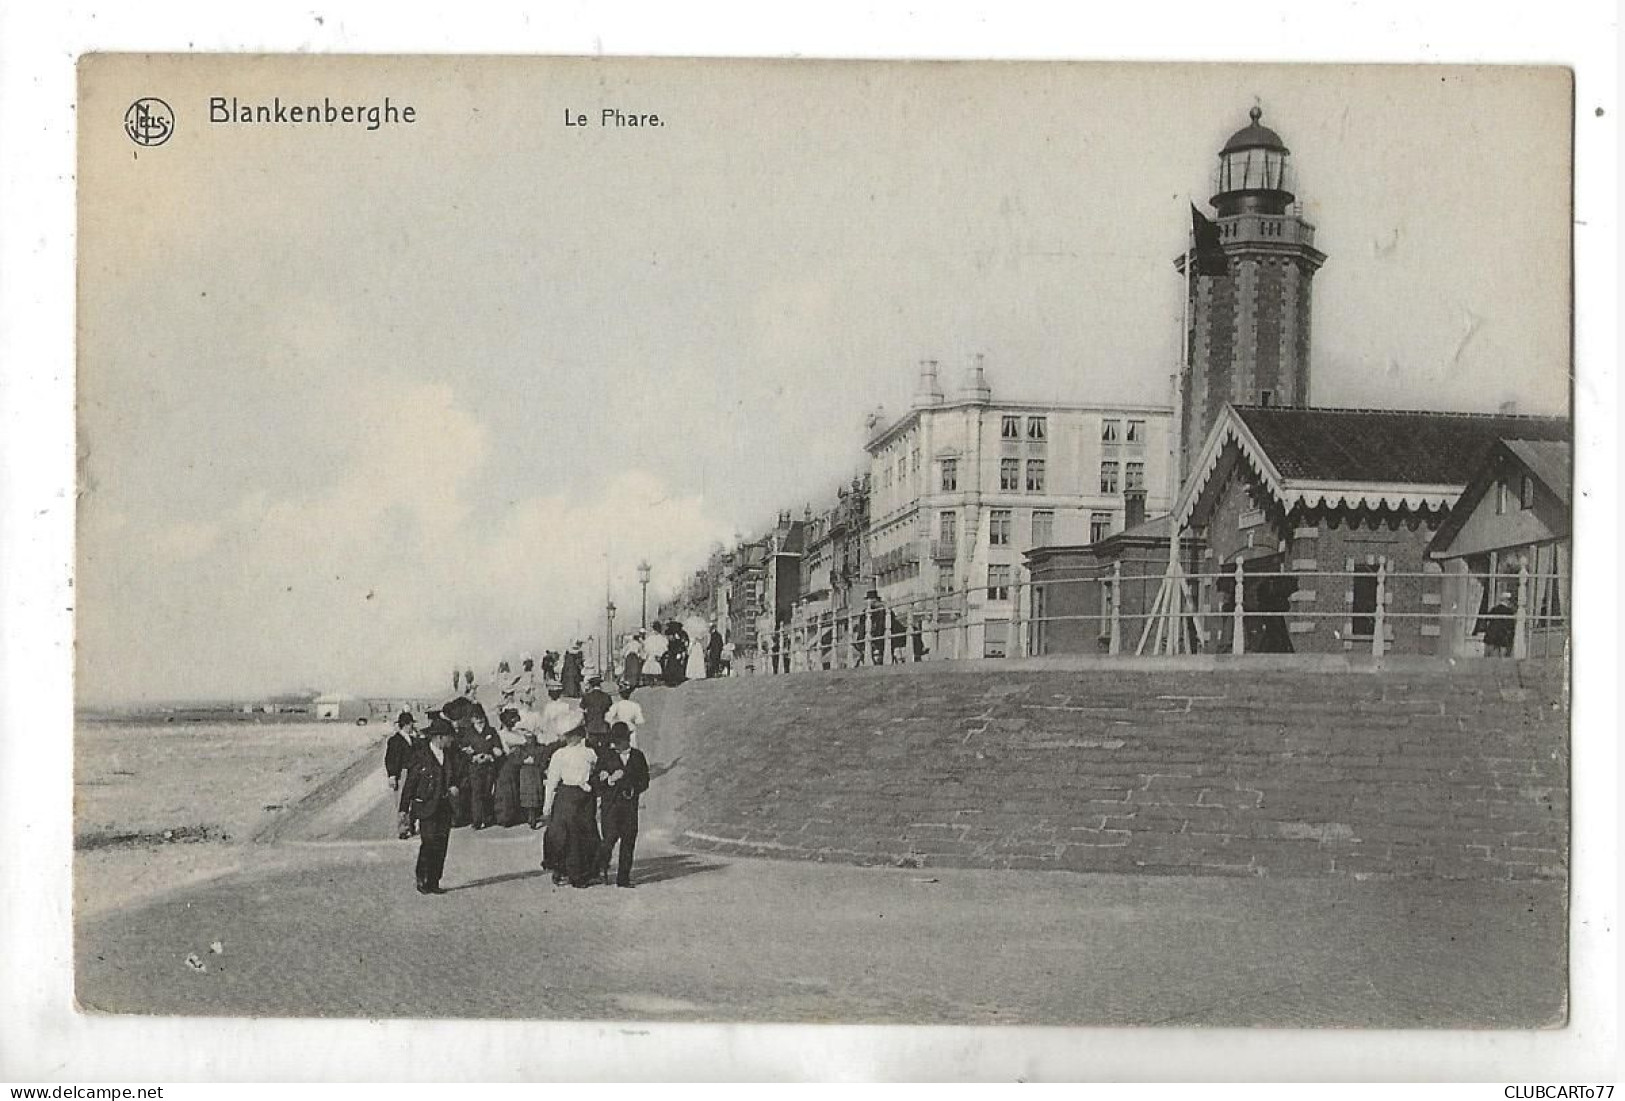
x=1328, y=497
x=1075, y=588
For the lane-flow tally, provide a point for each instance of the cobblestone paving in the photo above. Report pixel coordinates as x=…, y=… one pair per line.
x=703, y=937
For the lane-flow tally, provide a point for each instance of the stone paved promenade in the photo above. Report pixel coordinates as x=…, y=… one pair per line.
x=321, y=917
x=711, y=938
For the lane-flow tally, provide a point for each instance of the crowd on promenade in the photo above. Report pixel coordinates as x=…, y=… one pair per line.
x=571, y=769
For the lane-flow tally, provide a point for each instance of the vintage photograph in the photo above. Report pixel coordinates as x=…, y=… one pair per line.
x=862, y=542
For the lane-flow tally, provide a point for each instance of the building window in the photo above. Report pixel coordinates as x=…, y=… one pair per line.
x=1108, y=431
x=1266, y=398
x=996, y=638
x=1365, y=601
x=1035, y=475
x=948, y=529
x=998, y=582
x=1134, y=476
x=1010, y=474
x=1526, y=492
x=998, y=527
x=1501, y=498
x=1010, y=429
x=1100, y=526
x=1043, y=528
x=1136, y=431
x=1108, y=477
x=950, y=475
x=1036, y=429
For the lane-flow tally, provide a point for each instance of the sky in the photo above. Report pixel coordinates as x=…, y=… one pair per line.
x=358, y=407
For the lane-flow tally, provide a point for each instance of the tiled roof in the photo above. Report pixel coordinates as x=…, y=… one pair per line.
x=1387, y=446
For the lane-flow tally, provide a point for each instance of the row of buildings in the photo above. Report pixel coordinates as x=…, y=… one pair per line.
x=998, y=527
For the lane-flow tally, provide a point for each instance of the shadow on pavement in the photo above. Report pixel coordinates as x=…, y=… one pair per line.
x=657, y=771
x=662, y=869
x=493, y=880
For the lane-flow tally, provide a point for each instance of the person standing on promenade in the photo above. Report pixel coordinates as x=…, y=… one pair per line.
x=727, y=667
x=632, y=660
x=559, y=716
x=713, y=653
x=626, y=710
x=623, y=776
x=676, y=653
x=570, y=845
x=570, y=675
x=508, y=809
x=525, y=682
x=595, y=707
x=433, y=780
x=397, y=755
x=485, y=757
x=876, y=629
x=1499, y=626
x=654, y=653
x=530, y=763
x=696, y=667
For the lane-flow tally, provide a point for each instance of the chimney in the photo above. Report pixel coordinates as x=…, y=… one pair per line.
x=1133, y=508
x=976, y=387
x=928, y=390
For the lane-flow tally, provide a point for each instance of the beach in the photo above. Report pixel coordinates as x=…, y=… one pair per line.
x=161, y=805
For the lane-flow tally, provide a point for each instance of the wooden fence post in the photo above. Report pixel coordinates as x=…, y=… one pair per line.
x=1238, y=617
x=1379, y=617
x=1520, y=614
x=1115, y=643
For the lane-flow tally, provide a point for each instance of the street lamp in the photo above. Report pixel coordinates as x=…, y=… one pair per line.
x=643, y=579
x=609, y=635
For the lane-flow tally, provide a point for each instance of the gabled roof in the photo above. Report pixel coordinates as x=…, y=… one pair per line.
x=1550, y=461
x=1357, y=458
x=1546, y=460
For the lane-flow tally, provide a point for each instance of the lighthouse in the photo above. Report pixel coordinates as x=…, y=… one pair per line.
x=1249, y=338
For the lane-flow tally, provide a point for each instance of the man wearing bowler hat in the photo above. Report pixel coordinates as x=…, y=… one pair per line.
x=433, y=780
x=623, y=776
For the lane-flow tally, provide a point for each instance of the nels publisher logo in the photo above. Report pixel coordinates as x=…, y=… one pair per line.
x=149, y=122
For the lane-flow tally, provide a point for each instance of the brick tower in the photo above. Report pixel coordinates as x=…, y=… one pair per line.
x=1249, y=336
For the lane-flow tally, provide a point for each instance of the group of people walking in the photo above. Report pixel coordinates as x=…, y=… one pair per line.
x=877, y=635
x=574, y=769
x=671, y=654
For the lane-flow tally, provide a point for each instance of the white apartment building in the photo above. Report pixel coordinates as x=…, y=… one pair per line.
x=962, y=485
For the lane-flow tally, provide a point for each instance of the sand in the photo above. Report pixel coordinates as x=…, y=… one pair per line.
x=210, y=787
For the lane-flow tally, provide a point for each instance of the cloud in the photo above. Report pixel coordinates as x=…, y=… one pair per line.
x=380, y=580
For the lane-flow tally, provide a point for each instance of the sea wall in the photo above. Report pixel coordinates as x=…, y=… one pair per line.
x=1254, y=766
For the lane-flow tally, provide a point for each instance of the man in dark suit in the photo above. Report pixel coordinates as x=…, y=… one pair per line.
x=595, y=705
x=433, y=780
x=713, y=653
x=397, y=754
x=877, y=628
x=622, y=776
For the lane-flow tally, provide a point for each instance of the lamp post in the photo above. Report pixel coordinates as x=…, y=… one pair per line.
x=643, y=579
x=609, y=636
